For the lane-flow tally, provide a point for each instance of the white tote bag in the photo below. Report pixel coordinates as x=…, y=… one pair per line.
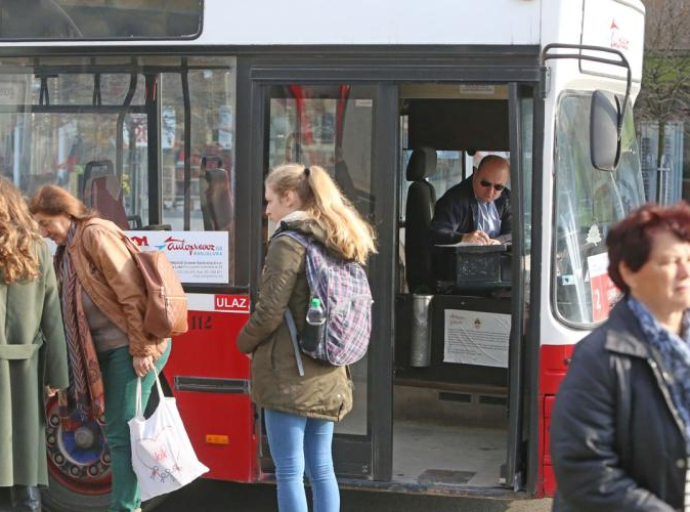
x=162, y=456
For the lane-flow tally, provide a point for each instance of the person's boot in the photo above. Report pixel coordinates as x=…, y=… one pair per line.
x=5, y=499
x=26, y=498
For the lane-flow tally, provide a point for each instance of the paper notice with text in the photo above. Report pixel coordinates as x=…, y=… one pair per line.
x=478, y=338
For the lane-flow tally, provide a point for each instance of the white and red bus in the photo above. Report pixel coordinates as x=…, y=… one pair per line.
x=166, y=115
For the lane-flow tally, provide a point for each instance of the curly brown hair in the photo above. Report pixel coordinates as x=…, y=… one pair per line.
x=19, y=235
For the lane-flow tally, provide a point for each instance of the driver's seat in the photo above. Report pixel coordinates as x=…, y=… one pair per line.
x=419, y=210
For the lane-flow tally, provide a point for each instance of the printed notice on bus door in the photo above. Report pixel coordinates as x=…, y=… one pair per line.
x=473, y=337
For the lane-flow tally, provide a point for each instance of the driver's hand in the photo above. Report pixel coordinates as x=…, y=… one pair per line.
x=476, y=237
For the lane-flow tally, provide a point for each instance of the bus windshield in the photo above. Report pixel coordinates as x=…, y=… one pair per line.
x=588, y=202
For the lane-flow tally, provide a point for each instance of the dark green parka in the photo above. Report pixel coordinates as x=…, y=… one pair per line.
x=325, y=391
x=33, y=354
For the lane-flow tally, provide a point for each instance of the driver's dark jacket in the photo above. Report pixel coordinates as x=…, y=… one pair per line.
x=617, y=441
x=453, y=216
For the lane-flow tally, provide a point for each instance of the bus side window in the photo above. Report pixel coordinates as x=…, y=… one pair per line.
x=216, y=200
x=102, y=191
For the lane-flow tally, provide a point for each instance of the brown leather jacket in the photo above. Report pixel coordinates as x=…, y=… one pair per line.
x=111, y=278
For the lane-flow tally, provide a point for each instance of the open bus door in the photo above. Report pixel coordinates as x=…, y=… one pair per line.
x=460, y=331
x=335, y=126
x=400, y=431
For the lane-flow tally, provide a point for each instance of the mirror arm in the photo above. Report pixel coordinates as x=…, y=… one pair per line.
x=622, y=61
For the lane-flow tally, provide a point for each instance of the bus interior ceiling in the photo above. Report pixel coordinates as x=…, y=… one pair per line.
x=450, y=419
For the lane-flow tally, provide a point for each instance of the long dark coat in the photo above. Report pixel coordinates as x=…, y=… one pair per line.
x=33, y=354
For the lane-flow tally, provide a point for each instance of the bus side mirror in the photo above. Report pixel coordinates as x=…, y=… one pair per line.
x=604, y=138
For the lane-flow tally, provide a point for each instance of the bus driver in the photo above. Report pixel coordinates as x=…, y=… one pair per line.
x=477, y=210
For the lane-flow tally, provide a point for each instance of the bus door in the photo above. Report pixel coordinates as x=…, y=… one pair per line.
x=149, y=144
x=338, y=126
x=459, y=393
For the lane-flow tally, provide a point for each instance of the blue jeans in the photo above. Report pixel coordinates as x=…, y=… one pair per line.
x=295, y=440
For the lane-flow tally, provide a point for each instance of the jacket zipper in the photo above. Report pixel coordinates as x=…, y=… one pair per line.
x=663, y=386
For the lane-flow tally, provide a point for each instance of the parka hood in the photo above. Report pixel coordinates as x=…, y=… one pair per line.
x=303, y=223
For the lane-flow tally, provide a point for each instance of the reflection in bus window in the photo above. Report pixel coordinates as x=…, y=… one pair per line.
x=588, y=202
x=212, y=135
x=326, y=126
x=527, y=134
x=83, y=124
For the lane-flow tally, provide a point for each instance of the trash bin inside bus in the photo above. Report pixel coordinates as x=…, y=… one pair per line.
x=420, y=332
x=413, y=341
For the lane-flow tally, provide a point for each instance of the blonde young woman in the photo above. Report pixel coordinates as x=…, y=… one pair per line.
x=30, y=330
x=300, y=411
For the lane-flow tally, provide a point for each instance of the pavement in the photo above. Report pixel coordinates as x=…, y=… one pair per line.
x=215, y=496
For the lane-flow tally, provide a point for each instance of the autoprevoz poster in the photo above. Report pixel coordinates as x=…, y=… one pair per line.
x=197, y=256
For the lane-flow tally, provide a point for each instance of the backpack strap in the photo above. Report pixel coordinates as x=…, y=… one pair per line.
x=295, y=344
x=302, y=239
x=289, y=319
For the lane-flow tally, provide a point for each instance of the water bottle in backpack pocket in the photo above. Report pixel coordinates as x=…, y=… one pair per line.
x=314, y=326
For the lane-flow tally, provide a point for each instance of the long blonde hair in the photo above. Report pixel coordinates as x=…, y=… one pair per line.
x=19, y=235
x=345, y=229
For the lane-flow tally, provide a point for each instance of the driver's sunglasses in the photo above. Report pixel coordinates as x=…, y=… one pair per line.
x=497, y=187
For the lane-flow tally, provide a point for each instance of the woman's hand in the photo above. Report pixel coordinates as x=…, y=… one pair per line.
x=51, y=392
x=142, y=365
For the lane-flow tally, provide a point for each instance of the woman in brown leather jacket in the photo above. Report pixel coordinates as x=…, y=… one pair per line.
x=103, y=306
x=300, y=411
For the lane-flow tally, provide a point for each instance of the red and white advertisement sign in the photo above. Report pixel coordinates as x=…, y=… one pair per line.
x=196, y=256
x=604, y=293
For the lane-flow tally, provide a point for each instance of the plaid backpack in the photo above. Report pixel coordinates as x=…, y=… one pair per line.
x=343, y=289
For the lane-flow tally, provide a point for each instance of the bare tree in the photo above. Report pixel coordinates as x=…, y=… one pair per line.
x=665, y=94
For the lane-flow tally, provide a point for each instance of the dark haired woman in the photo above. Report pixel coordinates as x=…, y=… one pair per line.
x=620, y=429
x=30, y=330
x=103, y=305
